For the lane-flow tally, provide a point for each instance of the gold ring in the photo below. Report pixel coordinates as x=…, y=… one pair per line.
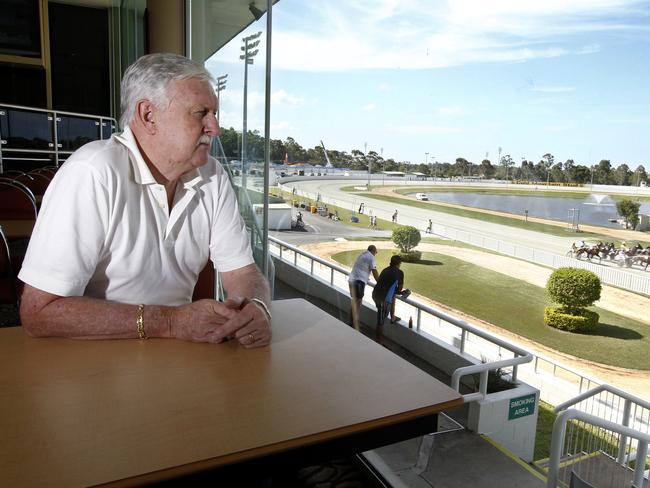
x=251, y=337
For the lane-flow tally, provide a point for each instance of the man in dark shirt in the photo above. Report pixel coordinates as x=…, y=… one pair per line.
x=389, y=284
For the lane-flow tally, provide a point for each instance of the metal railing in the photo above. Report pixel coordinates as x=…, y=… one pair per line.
x=42, y=134
x=599, y=438
x=467, y=338
x=556, y=382
x=608, y=275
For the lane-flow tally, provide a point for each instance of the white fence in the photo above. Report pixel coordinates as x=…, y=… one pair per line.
x=609, y=275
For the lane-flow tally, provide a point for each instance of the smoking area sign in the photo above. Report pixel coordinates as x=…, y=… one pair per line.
x=521, y=406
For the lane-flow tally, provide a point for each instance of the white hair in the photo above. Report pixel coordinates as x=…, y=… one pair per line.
x=148, y=79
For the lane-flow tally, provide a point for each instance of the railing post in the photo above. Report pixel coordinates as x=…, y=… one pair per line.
x=418, y=319
x=332, y=276
x=620, y=459
x=295, y=258
x=484, y=382
x=463, y=339
x=641, y=453
x=557, y=441
x=311, y=270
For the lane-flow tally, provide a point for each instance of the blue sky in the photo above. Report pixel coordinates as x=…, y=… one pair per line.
x=453, y=78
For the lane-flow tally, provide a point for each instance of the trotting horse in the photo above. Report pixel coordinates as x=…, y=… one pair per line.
x=589, y=252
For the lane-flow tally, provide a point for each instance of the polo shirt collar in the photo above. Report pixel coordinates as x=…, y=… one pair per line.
x=141, y=172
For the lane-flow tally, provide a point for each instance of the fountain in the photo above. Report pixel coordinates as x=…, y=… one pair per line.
x=599, y=199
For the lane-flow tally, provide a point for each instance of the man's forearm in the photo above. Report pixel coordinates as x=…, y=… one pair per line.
x=90, y=318
x=247, y=282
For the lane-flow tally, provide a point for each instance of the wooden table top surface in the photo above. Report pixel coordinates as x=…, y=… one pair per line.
x=91, y=412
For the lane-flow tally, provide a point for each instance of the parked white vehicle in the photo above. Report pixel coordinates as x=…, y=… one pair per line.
x=421, y=196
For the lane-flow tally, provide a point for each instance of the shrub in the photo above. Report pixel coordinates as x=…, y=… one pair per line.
x=406, y=237
x=583, y=321
x=573, y=288
x=411, y=256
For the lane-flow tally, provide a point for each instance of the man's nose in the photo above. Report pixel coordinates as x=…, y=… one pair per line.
x=211, y=126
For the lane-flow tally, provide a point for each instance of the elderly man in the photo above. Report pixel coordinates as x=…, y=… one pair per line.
x=128, y=223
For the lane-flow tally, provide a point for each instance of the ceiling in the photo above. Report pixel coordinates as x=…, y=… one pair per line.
x=214, y=22
x=220, y=21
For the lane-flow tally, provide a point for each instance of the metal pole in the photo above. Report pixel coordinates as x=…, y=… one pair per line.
x=243, y=133
x=267, y=142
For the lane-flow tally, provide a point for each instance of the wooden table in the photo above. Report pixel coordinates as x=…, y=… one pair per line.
x=126, y=412
x=17, y=229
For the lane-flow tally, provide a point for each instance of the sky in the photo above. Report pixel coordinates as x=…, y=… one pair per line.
x=425, y=80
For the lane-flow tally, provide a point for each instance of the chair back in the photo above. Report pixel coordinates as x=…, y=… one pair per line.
x=36, y=182
x=16, y=202
x=8, y=292
x=205, y=285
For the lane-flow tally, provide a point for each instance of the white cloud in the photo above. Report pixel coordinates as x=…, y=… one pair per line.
x=445, y=111
x=422, y=129
x=384, y=87
x=557, y=128
x=370, y=107
x=552, y=89
x=281, y=125
x=416, y=34
x=281, y=97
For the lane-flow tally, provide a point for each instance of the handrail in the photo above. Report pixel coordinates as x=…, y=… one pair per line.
x=35, y=109
x=598, y=389
x=521, y=356
x=53, y=116
x=557, y=441
x=484, y=370
x=627, y=408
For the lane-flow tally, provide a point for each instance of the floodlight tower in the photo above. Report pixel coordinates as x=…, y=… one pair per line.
x=250, y=43
x=221, y=86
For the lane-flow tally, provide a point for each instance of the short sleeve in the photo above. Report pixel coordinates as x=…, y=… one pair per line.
x=69, y=234
x=229, y=239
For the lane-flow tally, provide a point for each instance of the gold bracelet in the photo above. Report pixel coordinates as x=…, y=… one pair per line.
x=139, y=321
x=264, y=307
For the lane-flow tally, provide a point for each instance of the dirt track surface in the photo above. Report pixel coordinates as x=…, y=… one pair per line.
x=622, y=234
x=613, y=299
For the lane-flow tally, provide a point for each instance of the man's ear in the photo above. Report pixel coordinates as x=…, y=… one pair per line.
x=145, y=115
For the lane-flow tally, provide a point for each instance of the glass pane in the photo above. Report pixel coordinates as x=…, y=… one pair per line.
x=25, y=130
x=74, y=132
x=108, y=127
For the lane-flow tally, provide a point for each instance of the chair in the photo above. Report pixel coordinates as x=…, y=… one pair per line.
x=12, y=173
x=8, y=292
x=204, y=287
x=36, y=182
x=17, y=202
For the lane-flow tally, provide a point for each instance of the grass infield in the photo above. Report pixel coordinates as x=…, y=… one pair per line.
x=518, y=306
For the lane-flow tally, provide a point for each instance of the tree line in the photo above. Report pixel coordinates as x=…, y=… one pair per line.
x=547, y=169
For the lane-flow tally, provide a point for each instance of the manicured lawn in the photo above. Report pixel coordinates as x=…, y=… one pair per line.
x=518, y=307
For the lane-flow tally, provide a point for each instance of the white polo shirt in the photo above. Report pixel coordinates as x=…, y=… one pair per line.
x=362, y=267
x=104, y=229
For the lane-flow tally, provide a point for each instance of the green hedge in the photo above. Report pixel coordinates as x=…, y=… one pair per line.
x=574, y=288
x=583, y=321
x=411, y=256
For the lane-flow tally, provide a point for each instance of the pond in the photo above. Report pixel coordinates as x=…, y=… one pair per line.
x=594, y=210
